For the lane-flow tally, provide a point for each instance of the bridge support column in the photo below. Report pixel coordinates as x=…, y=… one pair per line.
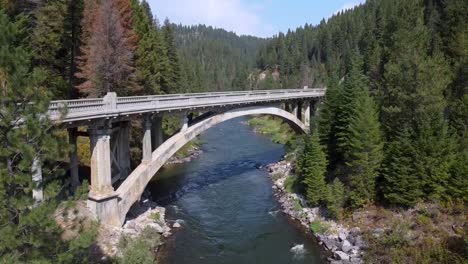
x=74, y=163
x=287, y=107
x=123, y=150
x=156, y=133
x=295, y=109
x=102, y=201
x=184, y=122
x=36, y=169
x=313, y=114
x=147, y=149
x=306, y=114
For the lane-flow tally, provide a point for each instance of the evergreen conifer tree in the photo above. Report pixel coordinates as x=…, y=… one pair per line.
x=365, y=151
x=313, y=169
x=28, y=231
x=172, y=74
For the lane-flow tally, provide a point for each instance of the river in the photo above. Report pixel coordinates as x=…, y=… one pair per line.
x=227, y=205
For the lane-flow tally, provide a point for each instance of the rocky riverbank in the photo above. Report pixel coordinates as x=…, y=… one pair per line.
x=142, y=217
x=341, y=243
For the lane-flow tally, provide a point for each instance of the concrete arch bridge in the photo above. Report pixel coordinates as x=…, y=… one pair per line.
x=108, y=126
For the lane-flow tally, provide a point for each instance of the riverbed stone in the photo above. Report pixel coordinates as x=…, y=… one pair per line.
x=176, y=225
x=342, y=236
x=346, y=246
x=340, y=255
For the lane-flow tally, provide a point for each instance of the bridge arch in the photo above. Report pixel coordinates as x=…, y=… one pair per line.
x=132, y=188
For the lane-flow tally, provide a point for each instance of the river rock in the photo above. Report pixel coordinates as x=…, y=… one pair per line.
x=340, y=255
x=176, y=225
x=342, y=236
x=355, y=231
x=378, y=232
x=329, y=243
x=359, y=242
x=156, y=227
x=346, y=246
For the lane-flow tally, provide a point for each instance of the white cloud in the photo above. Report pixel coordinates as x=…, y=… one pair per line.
x=348, y=6
x=232, y=15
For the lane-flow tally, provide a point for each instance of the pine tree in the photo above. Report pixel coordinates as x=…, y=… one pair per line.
x=55, y=42
x=327, y=119
x=335, y=199
x=28, y=232
x=313, y=170
x=365, y=151
x=172, y=74
x=106, y=64
x=150, y=57
x=354, y=86
x=401, y=185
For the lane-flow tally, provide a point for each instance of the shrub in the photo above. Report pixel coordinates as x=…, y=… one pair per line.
x=290, y=184
x=318, y=227
x=297, y=205
x=139, y=250
x=335, y=199
x=156, y=217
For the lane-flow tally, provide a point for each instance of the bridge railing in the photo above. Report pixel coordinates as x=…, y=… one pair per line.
x=76, y=107
x=111, y=104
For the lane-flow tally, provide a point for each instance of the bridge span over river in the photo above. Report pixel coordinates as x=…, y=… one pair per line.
x=114, y=186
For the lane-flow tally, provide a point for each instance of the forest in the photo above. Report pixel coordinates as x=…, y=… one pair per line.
x=393, y=124
x=391, y=131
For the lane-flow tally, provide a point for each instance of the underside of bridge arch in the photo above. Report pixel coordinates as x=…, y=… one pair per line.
x=132, y=188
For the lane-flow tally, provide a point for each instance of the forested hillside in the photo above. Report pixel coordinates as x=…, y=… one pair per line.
x=392, y=130
x=214, y=59
x=396, y=110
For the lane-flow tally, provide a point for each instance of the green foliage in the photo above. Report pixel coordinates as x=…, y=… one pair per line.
x=215, y=60
x=55, y=42
x=318, y=227
x=28, y=231
x=155, y=217
x=279, y=131
x=139, y=250
x=401, y=185
x=297, y=205
x=291, y=184
x=396, y=66
x=336, y=198
x=150, y=55
x=313, y=167
x=365, y=151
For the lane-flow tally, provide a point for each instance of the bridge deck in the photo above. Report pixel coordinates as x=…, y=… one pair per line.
x=112, y=107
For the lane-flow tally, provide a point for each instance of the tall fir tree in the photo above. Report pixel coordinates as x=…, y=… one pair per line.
x=313, y=169
x=150, y=57
x=401, y=185
x=55, y=41
x=365, y=151
x=172, y=74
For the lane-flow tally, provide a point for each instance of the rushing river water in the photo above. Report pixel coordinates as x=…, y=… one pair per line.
x=227, y=205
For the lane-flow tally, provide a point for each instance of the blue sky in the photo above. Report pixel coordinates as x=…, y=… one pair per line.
x=263, y=18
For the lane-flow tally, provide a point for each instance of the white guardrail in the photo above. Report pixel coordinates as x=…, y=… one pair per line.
x=111, y=105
